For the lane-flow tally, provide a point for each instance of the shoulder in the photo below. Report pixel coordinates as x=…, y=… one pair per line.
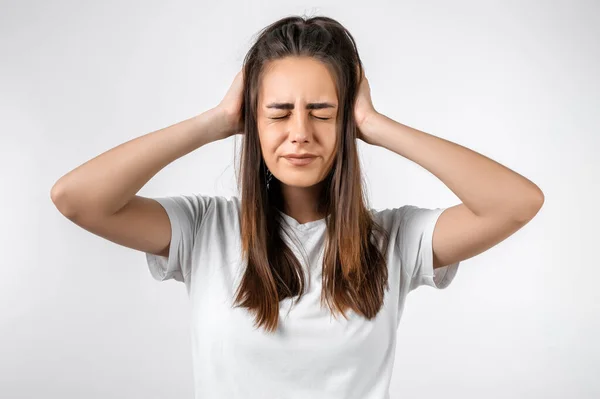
x=220, y=208
x=407, y=221
x=389, y=217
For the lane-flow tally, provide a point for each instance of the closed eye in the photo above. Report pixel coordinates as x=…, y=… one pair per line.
x=283, y=117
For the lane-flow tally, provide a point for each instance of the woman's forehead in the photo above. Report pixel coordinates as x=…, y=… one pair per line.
x=298, y=82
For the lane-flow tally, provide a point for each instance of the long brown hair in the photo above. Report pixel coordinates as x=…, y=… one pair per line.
x=354, y=269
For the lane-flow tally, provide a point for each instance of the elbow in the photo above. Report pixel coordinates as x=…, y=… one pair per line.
x=58, y=197
x=532, y=207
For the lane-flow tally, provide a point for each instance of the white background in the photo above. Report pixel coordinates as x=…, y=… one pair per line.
x=516, y=81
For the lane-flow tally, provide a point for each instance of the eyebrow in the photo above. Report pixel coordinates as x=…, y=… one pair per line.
x=308, y=106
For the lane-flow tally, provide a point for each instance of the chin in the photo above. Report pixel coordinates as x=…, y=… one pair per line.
x=299, y=181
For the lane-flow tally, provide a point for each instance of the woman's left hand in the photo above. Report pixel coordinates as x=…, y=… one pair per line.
x=363, y=107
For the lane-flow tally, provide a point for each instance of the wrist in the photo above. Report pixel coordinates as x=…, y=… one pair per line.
x=369, y=128
x=208, y=126
x=215, y=122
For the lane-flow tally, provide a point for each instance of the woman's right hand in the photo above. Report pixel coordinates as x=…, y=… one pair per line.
x=231, y=106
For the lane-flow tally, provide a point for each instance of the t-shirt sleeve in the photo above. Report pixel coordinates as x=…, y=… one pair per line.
x=415, y=243
x=185, y=214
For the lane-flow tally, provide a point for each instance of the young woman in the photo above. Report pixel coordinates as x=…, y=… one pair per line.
x=270, y=273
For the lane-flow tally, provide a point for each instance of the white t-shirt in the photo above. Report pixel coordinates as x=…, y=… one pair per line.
x=313, y=354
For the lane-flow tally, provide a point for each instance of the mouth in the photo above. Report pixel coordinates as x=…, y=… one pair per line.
x=300, y=161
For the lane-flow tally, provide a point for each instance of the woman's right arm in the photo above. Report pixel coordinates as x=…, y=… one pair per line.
x=100, y=195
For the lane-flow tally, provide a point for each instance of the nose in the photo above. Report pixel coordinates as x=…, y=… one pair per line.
x=300, y=128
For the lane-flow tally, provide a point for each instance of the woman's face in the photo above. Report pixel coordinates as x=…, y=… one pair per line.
x=297, y=110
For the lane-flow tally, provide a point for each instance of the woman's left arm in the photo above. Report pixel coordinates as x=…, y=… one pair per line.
x=496, y=201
